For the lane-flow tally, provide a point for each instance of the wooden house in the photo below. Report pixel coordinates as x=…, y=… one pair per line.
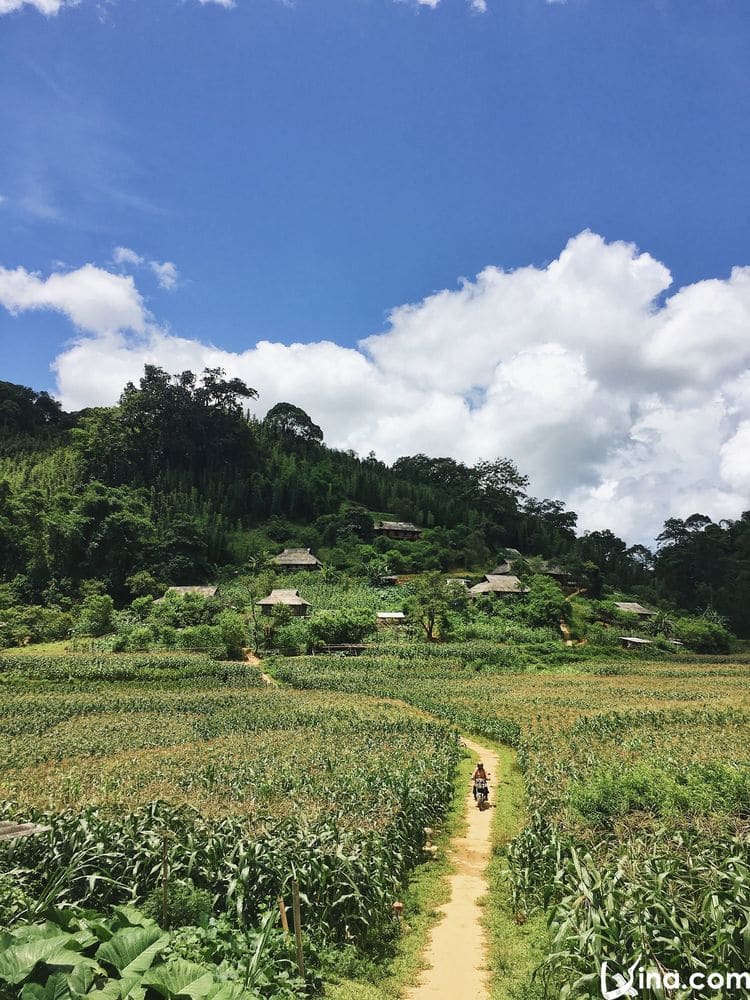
x=404, y=531
x=293, y=560
x=284, y=598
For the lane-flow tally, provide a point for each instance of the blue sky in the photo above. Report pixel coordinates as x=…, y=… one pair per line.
x=308, y=168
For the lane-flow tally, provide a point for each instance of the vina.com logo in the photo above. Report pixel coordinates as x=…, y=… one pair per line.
x=638, y=980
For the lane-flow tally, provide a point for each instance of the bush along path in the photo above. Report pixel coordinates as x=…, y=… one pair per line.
x=457, y=953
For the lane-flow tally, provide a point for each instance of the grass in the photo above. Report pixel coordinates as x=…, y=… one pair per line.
x=59, y=648
x=426, y=893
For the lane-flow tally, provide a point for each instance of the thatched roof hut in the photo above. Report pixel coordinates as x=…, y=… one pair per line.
x=502, y=568
x=296, y=559
x=505, y=584
x=632, y=608
x=286, y=598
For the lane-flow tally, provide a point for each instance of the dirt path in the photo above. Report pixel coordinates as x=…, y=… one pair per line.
x=456, y=952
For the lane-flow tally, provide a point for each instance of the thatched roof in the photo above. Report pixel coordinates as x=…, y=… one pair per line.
x=182, y=591
x=552, y=569
x=290, y=598
x=297, y=557
x=501, y=569
x=396, y=526
x=632, y=608
x=492, y=584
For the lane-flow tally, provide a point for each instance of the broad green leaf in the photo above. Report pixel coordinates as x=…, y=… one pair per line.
x=18, y=962
x=180, y=978
x=56, y=988
x=132, y=949
x=228, y=991
x=81, y=979
x=132, y=916
x=40, y=932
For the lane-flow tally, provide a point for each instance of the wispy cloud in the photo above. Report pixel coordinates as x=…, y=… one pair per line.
x=52, y=7
x=123, y=255
x=165, y=272
x=46, y=7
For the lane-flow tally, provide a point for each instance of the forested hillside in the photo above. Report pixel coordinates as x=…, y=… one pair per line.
x=178, y=485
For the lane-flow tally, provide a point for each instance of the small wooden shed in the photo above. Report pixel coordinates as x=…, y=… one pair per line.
x=634, y=642
x=284, y=598
x=404, y=531
x=390, y=619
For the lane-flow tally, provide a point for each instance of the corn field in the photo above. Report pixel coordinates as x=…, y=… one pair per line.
x=638, y=779
x=137, y=763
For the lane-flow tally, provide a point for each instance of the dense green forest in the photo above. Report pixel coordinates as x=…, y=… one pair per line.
x=177, y=484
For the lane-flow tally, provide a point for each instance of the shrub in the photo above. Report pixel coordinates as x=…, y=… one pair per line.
x=702, y=636
x=186, y=904
x=292, y=635
x=232, y=630
x=205, y=639
x=545, y=604
x=96, y=616
x=34, y=624
x=335, y=628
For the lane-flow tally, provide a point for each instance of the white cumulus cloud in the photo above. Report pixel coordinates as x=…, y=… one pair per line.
x=93, y=299
x=629, y=406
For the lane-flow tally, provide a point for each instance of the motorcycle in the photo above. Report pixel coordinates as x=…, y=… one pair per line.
x=481, y=792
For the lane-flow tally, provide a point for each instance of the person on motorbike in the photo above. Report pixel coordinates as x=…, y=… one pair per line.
x=479, y=774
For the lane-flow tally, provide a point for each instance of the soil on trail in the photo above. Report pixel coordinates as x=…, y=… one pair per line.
x=456, y=953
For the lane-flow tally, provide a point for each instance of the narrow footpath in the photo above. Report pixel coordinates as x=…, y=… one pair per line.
x=456, y=953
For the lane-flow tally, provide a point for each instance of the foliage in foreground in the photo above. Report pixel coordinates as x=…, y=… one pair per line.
x=79, y=953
